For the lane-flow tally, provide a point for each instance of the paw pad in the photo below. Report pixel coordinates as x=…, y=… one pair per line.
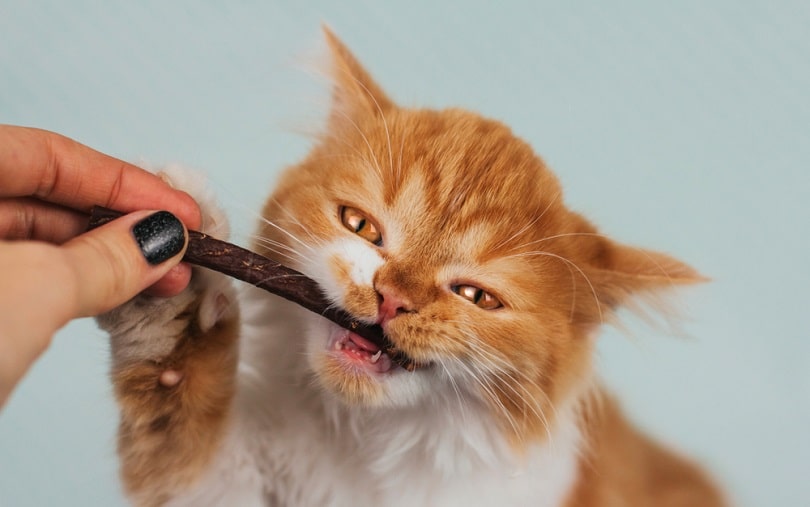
x=170, y=378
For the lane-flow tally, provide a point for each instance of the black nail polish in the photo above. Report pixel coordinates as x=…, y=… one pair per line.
x=161, y=236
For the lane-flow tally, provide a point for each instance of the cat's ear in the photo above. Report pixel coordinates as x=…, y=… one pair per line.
x=618, y=273
x=354, y=92
x=621, y=273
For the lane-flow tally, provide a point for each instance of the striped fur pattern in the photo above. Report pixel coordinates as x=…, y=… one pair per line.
x=451, y=233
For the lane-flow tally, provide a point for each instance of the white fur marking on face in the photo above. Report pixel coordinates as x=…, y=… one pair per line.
x=360, y=258
x=409, y=204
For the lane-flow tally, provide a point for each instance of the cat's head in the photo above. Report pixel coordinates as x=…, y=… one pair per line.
x=453, y=234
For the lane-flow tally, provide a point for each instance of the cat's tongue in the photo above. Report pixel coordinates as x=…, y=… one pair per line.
x=359, y=349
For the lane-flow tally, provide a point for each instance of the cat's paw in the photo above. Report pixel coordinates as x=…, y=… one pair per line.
x=149, y=328
x=214, y=221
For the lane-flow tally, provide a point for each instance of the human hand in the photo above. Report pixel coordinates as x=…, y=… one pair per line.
x=50, y=270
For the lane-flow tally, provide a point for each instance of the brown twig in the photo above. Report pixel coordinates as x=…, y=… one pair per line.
x=255, y=269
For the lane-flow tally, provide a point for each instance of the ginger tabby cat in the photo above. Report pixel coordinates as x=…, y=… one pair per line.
x=452, y=234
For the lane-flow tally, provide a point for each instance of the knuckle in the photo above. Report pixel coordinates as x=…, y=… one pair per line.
x=118, y=184
x=48, y=182
x=17, y=220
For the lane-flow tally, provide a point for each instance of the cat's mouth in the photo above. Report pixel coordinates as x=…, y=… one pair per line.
x=359, y=352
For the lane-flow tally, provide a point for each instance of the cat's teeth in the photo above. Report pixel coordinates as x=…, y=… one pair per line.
x=376, y=357
x=338, y=345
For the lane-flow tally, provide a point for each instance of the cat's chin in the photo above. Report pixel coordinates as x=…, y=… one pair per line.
x=355, y=370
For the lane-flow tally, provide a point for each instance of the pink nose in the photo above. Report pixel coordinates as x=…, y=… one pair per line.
x=392, y=303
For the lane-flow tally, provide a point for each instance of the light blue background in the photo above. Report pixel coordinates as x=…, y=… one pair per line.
x=681, y=126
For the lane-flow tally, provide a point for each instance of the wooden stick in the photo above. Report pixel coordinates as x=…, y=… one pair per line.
x=257, y=270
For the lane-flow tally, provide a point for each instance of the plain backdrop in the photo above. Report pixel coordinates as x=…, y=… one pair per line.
x=680, y=126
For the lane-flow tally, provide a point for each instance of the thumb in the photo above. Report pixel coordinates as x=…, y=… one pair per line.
x=116, y=261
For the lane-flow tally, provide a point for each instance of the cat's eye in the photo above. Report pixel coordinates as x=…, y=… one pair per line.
x=477, y=296
x=357, y=222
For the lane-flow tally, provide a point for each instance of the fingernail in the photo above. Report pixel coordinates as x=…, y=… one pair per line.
x=160, y=236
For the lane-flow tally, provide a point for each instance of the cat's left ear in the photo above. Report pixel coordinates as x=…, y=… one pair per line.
x=355, y=93
x=623, y=271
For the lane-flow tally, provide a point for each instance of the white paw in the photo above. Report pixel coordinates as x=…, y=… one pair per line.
x=217, y=299
x=216, y=295
x=148, y=328
x=195, y=183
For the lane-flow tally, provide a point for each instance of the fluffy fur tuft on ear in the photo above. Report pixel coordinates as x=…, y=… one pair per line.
x=354, y=92
x=625, y=271
x=619, y=274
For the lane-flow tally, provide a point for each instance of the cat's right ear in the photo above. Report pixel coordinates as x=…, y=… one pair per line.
x=354, y=94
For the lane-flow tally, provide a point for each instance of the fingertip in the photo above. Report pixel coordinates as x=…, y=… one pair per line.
x=160, y=236
x=187, y=208
x=172, y=283
x=122, y=258
x=190, y=213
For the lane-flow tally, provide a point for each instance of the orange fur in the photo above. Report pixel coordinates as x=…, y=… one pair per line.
x=464, y=191
x=459, y=200
x=622, y=467
x=168, y=435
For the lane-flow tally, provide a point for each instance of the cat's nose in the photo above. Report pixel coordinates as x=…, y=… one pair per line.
x=391, y=303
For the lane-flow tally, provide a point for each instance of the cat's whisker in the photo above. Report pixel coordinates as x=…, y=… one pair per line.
x=281, y=248
x=272, y=242
x=399, y=159
x=664, y=272
x=524, y=399
x=358, y=155
x=291, y=217
x=500, y=370
x=488, y=358
x=280, y=253
x=528, y=225
x=489, y=393
x=286, y=233
x=558, y=236
x=367, y=142
x=455, y=387
x=507, y=375
x=266, y=279
x=382, y=115
x=576, y=267
x=570, y=270
x=484, y=381
x=517, y=233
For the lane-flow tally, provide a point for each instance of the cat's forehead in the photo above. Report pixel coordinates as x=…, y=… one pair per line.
x=449, y=176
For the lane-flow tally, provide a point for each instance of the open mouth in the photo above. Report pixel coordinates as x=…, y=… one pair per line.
x=360, y=352
x=366, y=354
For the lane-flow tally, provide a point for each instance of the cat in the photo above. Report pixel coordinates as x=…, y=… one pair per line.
x=451, y=233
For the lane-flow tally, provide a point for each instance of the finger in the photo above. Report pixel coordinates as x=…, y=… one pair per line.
x=45, y=286
x=172, y=282
x=57, y=169
x=122, y=258
x=25, y=218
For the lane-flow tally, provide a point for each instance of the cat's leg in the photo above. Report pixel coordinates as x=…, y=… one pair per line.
x=173, y=369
